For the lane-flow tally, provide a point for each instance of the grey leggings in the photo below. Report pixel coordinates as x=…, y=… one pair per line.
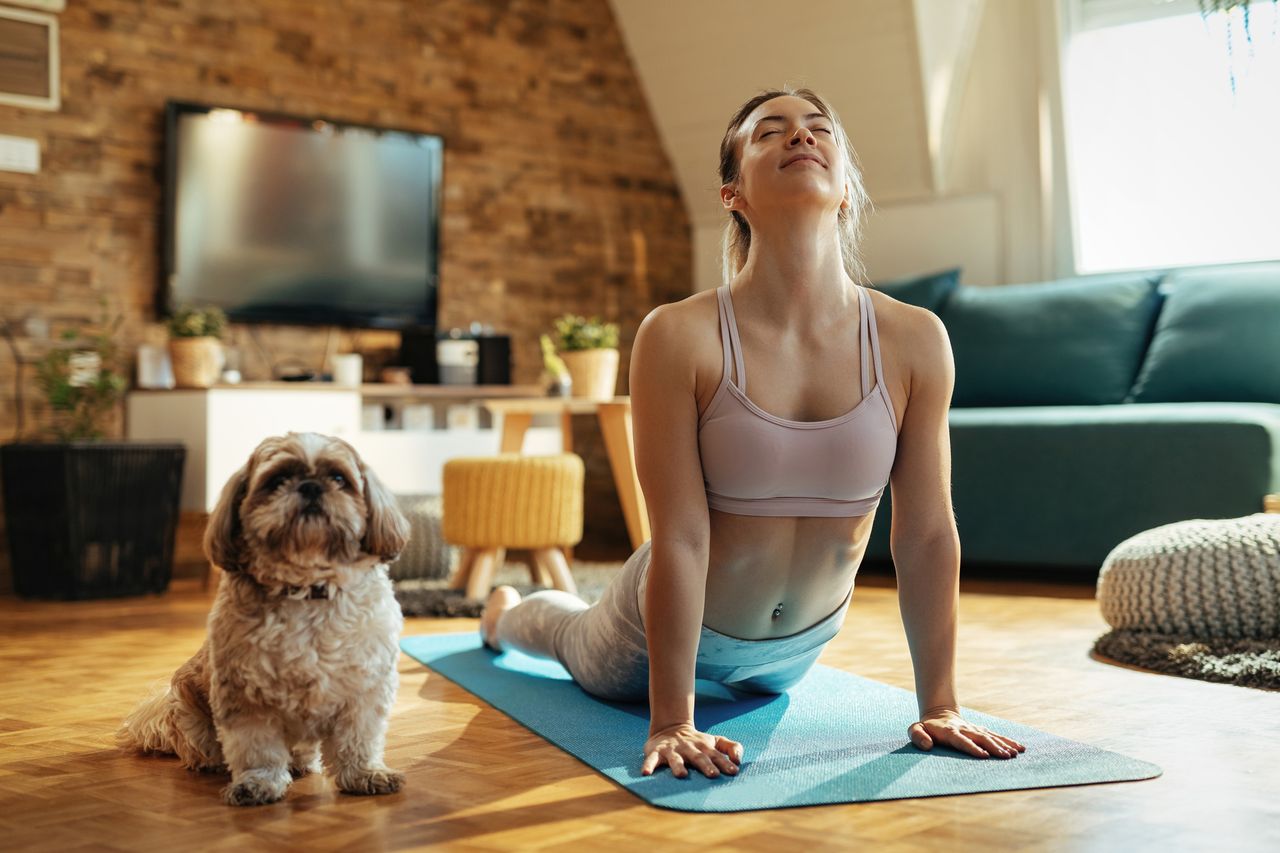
x=603, y=645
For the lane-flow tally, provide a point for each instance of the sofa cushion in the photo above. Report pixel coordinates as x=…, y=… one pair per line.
x=1217, y=339
x=927, y=291
x=1070, y=342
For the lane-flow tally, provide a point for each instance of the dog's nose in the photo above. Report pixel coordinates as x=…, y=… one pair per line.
x=310, y=489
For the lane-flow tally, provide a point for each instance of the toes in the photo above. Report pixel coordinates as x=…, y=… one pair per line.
x=251, y=792
x=371, y=782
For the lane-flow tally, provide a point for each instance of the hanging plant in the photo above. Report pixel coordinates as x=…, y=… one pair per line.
x=1226, y=7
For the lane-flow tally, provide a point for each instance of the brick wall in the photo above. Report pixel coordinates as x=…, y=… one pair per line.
x=558, y=195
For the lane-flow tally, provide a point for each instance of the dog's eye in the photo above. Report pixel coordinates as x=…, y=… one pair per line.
x=275, y=482
x=339, y=479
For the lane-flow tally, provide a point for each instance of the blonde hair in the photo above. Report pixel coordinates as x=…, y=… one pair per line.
x=736, y=241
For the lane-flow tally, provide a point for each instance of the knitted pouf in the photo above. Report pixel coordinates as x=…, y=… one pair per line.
x=426, y=555
x=1203, y=578
x=510, y=500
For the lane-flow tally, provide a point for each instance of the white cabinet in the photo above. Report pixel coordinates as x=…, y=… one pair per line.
x=221, y=426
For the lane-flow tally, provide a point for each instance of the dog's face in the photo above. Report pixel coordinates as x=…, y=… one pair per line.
x=304, y=500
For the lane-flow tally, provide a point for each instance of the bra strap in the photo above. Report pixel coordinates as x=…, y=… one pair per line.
x=875, y=352
x=727, y=318
x=862, y=335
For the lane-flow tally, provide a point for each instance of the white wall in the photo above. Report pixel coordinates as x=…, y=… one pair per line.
x=945, y=101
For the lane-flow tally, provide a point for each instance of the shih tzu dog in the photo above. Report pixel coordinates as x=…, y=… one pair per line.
x=300, y=657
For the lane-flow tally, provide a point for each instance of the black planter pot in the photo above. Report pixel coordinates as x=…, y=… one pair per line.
x=91, y=519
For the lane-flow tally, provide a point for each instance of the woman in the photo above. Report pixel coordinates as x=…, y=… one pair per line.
x=760, y=507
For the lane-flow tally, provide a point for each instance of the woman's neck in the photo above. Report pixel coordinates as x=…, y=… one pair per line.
x=795, y=274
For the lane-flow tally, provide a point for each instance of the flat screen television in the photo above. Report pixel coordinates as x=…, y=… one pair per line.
x=284, y=219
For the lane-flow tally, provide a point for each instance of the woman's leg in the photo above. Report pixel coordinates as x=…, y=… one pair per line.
x=601, y=645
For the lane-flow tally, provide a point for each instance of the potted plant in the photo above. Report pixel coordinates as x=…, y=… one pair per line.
x=195, y=345
x=589, y=349
x=86, y=517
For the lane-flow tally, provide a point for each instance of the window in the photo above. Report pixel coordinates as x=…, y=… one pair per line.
x=1166, y=165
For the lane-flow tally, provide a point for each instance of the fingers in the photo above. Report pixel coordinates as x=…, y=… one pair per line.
x=730, y=747
x=959, y=738
x=723, y=762
x=1010, y=743
x=675, y=762
x=699, y=759
x=650, y=763
x=998, y=745
x=919, y=736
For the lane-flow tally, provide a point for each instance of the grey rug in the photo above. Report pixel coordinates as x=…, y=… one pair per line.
x=431, y=597
x=1246, y=663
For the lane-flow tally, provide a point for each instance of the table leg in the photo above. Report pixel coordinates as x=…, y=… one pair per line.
x=566, y=431
x=514, y=426
x=615, y=426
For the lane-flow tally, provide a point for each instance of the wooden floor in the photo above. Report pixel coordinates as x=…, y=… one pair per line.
x=477, y=780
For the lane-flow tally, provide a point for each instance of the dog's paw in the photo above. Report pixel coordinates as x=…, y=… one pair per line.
x=379, y=780
x=297, y=771
x=304, y=762
x=253, y=791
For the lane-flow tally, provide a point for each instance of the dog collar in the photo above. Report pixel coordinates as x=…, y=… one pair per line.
x=319, y=590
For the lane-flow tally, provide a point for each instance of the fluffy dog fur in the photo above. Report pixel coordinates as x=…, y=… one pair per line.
x=283, y=678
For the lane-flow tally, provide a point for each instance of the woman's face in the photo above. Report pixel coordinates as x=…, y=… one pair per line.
x=789, y=158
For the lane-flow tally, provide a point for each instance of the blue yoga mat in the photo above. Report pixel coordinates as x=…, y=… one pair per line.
x=833, y=738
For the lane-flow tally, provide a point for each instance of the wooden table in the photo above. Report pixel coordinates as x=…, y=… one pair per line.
x=614, y=415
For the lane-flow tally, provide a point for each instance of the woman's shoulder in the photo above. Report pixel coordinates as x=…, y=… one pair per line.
x=682, y=338
x=914, y=346
x=905, y=322
x=686, y=324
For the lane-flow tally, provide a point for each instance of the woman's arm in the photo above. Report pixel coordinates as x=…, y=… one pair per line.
x=925, y=544
x=665, y=423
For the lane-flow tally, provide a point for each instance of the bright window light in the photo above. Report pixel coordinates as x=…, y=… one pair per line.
x=1167, y=165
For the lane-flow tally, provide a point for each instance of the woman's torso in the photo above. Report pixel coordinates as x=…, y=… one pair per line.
x=802, y=566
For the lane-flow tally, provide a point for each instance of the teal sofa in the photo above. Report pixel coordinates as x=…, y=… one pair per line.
x=1089, y=409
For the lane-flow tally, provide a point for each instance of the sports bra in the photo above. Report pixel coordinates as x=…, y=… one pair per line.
x=755, y=463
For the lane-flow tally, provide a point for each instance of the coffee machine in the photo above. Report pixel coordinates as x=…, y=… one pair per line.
x=474, y=356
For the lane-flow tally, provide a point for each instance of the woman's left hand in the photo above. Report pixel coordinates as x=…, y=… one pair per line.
x=946, y=726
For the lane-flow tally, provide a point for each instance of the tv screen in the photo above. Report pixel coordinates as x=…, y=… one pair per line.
x=283, y=219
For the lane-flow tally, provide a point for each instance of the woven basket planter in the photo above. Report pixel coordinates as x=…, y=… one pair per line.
x=196, y=361
x=594, y=372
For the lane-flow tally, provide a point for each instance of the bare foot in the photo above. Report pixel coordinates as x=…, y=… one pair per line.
x=502, y=599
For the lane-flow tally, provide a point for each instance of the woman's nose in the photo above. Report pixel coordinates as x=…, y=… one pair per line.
x=803, y=135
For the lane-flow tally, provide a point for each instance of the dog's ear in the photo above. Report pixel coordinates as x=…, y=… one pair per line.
x=224, y=537
x=387, y=531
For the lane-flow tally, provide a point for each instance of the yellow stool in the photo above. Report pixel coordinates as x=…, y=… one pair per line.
x=492, y=503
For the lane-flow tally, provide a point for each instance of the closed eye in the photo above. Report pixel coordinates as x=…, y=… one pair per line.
x=766, y=133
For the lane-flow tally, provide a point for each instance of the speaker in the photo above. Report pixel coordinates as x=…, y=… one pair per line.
x=495, y=360
x=418, y=353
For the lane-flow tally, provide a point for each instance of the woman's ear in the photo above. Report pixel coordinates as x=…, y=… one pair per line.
x=387, y=531
x=224, y=543
x=728, y=194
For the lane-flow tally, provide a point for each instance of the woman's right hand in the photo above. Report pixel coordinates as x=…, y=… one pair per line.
x=681, y=744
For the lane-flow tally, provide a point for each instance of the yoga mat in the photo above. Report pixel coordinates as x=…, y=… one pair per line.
x=833, y=738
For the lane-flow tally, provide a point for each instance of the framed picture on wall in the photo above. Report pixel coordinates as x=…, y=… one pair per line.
x=29, y=74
